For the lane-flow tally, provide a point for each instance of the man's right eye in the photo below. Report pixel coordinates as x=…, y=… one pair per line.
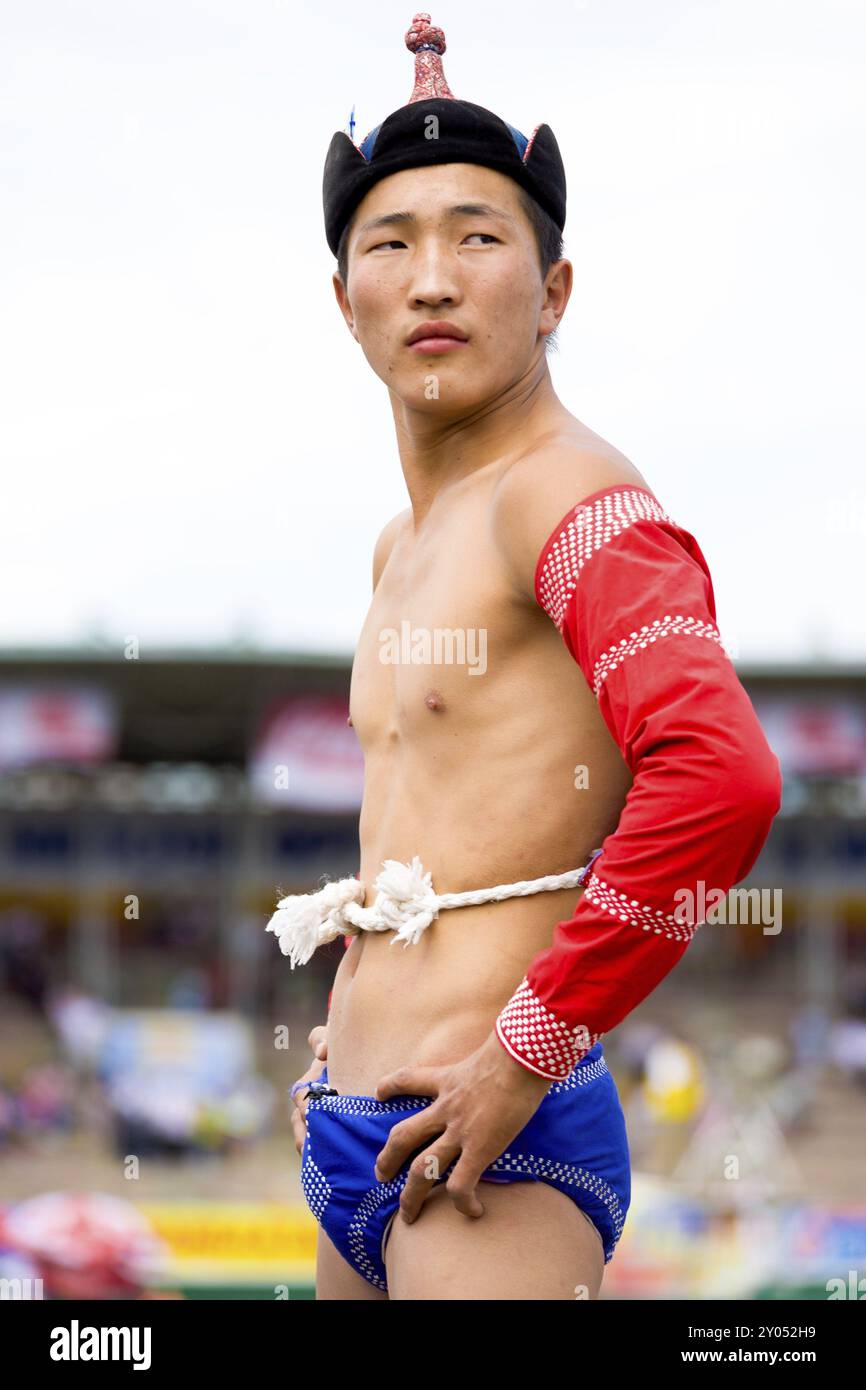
x=387, y=243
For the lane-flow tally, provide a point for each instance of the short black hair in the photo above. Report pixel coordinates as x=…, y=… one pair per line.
x=548, y=240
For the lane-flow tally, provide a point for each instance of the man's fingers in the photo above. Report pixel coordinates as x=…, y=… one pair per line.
x=300, y=1130
x=299, y=1119
x=318, y=1041
x=462, y=1186
x=409, y=1081
x=404, y=1139
x=424, y=1171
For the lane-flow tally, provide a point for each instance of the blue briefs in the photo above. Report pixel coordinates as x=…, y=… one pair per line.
x=576, y=1141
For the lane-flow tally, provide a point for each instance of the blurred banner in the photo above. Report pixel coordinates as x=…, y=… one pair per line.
x=306, y=756
x=56, y=724
x=182, y=1080
x=815, y=736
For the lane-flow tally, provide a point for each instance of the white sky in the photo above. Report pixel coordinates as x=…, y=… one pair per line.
x=192, y=445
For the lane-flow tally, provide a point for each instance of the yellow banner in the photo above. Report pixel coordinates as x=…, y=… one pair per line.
x=247, y=1240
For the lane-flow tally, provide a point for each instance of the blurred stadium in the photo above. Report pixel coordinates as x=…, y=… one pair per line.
x=150, y=1028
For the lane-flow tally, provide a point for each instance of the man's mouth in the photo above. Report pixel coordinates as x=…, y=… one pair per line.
x=436, y=337
x=437, y=345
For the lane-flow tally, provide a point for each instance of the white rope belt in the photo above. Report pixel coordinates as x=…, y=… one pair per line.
x=405, y=904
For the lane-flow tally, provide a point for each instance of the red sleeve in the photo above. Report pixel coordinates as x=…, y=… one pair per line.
x=632, y=597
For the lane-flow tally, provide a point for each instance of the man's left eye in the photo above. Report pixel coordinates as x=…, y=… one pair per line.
x=488, y=235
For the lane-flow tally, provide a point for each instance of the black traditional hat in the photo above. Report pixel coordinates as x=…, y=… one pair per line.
x=435, y=128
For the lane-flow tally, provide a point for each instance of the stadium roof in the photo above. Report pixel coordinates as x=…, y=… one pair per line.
x=820, y=668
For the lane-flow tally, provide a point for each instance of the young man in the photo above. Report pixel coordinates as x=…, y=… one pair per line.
x=465, y=1140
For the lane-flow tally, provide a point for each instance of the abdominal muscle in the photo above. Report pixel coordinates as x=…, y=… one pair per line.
x=434, y=1002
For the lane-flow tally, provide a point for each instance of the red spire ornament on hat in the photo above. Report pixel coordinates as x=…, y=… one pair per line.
x=462, y=133
x=428, y=44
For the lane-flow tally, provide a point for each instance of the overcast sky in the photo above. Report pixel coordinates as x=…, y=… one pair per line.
x=193, y=447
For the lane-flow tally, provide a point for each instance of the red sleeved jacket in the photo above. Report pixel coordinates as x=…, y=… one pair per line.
x=631, y=595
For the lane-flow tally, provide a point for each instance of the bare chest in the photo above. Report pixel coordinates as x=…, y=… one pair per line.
x=439, y=636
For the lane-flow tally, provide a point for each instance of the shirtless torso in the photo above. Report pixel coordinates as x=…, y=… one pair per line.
x=474, y=773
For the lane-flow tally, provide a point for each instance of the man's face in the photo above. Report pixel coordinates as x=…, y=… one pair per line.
x=457, y=247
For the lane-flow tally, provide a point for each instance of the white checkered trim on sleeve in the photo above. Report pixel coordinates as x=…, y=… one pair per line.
x=635, y=914
x=667, y=626
x=590, y=526
x=539, y=1040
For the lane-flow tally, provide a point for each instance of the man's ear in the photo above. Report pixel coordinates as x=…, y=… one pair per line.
x=558, y=285
x=343, y=301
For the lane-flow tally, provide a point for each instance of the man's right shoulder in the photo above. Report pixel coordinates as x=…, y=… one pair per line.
x=385, y=543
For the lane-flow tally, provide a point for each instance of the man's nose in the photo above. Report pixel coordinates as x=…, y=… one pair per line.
x=434, y=277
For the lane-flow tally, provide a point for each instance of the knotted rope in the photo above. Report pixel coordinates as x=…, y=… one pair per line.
x=405, y=903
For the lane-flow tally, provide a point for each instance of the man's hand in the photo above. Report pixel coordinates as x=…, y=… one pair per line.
x=481, y=1104
x=318, y=1042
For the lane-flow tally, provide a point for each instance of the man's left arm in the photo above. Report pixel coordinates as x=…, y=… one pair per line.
x=631, y=596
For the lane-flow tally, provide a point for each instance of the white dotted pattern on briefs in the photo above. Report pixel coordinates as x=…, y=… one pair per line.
x=368, y=1105
x=584, y=1072
x=358, y=1226
x=317, y=1189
